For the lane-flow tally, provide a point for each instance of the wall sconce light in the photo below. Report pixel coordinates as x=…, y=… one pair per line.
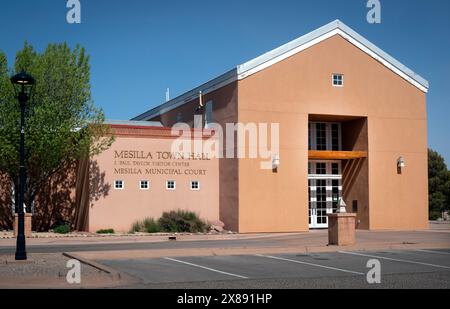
x=401, y=163
x=275, y=162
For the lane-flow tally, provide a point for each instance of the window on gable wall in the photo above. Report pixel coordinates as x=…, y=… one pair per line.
x=338, y=80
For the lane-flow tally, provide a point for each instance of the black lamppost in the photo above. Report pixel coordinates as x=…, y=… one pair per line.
x=23, y=85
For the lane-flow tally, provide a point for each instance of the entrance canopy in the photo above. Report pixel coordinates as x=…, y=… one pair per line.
x=336, y=155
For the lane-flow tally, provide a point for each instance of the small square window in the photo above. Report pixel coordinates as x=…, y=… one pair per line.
x=118, y=185
x=170, y=185
x=144, y=185
x=338, y=80
x=195, y=185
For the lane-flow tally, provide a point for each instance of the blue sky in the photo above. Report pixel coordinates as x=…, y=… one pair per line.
x=138, y=48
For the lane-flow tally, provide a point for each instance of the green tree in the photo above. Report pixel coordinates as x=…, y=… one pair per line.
x=62, y=123
x=438, y=184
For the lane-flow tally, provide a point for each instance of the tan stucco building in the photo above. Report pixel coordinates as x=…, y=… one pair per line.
x=352, y=123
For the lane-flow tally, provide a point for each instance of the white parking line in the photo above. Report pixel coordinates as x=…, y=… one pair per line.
x=207, y=268
x=310, y=264
x=396, y=260
x=432, y=251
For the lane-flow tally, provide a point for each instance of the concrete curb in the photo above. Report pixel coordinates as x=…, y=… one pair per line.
x=94, y=264
x=125, y=279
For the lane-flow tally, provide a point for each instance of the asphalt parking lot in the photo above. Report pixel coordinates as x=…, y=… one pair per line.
x=344, y=269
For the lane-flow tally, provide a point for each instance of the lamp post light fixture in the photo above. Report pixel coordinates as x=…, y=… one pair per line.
x=23, y=85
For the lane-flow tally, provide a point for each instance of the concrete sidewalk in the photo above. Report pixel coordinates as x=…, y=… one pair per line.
x=119, y=239
x=50, y=271
x=7, y=238
x=435, y=226
x=440, y=225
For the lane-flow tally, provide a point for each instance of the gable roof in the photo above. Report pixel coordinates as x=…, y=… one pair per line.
x=272, y=57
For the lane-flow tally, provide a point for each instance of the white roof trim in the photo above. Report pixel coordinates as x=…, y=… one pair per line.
x=279, y=54
x=321, y=34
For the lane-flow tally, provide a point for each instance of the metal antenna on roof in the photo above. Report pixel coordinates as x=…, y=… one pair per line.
x=200, y=98
x=167, y=95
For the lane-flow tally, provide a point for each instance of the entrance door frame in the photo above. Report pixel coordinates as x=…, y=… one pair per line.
x=313, y=213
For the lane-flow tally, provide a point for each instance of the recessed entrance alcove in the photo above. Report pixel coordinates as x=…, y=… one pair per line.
x=337, y=168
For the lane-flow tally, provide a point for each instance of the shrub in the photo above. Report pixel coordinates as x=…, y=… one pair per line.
x=106, y=231
x=136, y=227
x=148, y=225
x=182, y=221
x=151, y=225
x=173, y=222
x=435, y=215
x=62, y=229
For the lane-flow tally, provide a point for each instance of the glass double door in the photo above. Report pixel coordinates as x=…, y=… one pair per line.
x=324, y=191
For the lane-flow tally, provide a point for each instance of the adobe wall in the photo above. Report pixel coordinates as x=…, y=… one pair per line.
x=289, y=91
x=146, y=154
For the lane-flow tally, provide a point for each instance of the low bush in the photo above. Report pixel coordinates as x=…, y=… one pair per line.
x=106, y=231
x=182, y=221
x=179, y=221
x=148, y=225
x=62, y=229
x=151, y=225
x=435, y=215
x=137, y=227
